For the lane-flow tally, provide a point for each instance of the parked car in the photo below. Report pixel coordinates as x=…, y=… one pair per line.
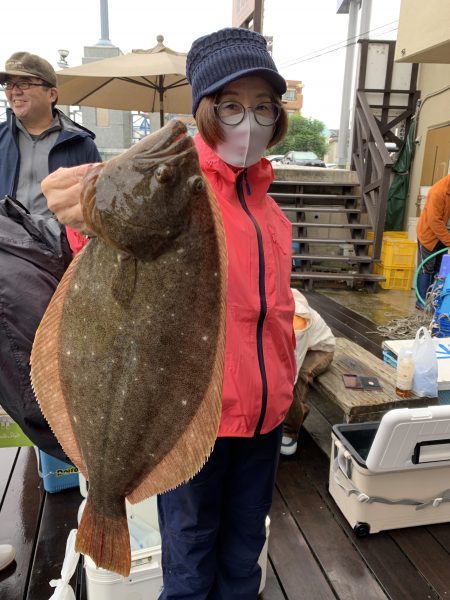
x=303, y=159
x=275, y=158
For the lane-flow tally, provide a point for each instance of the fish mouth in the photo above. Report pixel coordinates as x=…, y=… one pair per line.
x=170, y=140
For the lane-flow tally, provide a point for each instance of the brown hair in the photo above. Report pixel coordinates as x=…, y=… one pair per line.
x=210, y=129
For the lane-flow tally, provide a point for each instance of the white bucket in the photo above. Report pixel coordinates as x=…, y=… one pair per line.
x=145, y=579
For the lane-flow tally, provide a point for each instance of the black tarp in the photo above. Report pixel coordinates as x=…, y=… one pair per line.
x=34, y=254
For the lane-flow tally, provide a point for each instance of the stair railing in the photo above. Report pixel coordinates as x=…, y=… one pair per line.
x=373, y=165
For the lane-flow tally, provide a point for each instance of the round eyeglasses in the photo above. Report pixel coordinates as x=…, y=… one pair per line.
x=231, y=112
x=21, y=85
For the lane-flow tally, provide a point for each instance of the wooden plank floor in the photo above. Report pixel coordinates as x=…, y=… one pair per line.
x=313, y=552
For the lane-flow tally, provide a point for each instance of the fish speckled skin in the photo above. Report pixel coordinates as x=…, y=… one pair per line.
x=127, y=363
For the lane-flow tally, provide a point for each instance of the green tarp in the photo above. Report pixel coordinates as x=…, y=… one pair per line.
x=398, y=191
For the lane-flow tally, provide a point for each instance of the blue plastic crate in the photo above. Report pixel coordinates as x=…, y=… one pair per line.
x=444, y=396
x=445, y=266
x=296, y=250
x=389, y=358
x=56, y=474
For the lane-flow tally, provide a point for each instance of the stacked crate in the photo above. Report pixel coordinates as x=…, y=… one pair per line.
x=398, y=260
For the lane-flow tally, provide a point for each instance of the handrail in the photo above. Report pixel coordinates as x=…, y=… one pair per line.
x=373, y=165
x=374, y=129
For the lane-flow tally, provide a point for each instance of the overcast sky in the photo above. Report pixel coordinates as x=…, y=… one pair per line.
x=301, y=29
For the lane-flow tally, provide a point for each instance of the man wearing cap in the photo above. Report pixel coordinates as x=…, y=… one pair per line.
x=36, y=138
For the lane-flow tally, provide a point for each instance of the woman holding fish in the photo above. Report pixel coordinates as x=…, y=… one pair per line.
x=213, y=526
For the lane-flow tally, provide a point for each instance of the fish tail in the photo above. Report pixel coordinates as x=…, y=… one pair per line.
x=105, y=538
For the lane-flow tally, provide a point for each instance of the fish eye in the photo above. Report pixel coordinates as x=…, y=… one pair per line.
x=163, y=174
x=196, y=184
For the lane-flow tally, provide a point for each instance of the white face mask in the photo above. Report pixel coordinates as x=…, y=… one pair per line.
x=245, y=143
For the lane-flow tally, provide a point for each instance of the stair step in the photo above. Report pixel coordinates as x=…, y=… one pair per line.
x=313, y=257
x=333, y=225
x=316, y=183
x=314, y=196
x=320, y=209
x=327, y=241
x=336, y=276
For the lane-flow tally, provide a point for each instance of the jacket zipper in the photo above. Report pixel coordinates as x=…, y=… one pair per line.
x=262, y=297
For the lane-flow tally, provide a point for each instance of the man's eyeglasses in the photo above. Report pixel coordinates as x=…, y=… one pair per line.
x=8, y=86
x=232, y=112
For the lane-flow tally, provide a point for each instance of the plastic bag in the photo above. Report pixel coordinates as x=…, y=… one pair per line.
x=63, y=590
x=425, y=365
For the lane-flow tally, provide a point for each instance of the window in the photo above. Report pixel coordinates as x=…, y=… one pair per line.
x=289, y=96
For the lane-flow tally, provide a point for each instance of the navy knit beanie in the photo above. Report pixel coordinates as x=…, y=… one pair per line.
x=226, y=55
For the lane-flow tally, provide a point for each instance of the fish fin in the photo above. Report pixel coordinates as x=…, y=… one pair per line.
x=45, y=375
x=105, y=538
x=124, y=281
x=186, y=458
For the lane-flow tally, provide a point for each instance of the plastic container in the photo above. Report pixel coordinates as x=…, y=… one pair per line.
x=390, y=358
x=392, y=474
x=396, y=279
x=386, y=234
x=56, y=474
x=296, y=250
x=405, y=374
x=389, y=234
x=145, y=579
x=398, y=253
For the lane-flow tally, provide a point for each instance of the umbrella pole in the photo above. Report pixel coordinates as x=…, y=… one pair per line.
x=161, y=101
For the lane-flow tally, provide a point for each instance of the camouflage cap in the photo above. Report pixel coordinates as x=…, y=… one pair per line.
x=28, y=65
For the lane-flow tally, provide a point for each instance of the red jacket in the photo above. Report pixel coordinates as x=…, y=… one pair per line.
x=259, y=353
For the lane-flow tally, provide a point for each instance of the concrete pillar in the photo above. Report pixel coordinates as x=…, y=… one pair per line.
x=364, y=22
x=342, y=151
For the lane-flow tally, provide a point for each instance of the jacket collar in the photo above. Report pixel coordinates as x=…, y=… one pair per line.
x=68, y=127
x=259, y=176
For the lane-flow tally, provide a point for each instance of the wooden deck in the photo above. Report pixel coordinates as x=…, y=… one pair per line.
x=313, y=552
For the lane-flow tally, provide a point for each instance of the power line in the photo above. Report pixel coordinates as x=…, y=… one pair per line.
x=303, y=58
x=330, y=51
x=294, y=60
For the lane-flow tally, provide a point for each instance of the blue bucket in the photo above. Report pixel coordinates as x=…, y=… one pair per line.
x=56, y=474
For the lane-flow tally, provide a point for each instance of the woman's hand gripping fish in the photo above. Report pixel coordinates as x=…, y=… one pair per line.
x=127, y=363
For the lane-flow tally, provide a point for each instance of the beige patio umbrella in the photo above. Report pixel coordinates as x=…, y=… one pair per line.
x=147, y=80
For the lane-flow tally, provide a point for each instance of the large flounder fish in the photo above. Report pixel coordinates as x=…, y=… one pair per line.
x=127, y=363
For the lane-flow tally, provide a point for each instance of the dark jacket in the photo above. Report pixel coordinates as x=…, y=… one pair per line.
x=34, y=253
x=74, y=146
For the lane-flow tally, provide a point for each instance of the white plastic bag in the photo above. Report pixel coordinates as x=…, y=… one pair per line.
x=63, y=590
x=425, y=365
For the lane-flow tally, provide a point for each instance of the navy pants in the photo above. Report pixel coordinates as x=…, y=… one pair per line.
x=213, y=527
x=429, y=270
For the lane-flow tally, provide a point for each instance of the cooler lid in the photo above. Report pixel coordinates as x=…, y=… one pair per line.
x=411, y=438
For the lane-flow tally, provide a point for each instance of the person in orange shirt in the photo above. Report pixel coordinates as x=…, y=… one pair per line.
x=432, y=234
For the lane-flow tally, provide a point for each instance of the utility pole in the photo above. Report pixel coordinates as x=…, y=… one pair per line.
x=258, y=16
x=104, y=21
x=350, y=6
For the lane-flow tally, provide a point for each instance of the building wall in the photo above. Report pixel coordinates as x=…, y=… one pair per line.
x=293, y=99
x=434, y=85
x=111, y=127
x=423, y=32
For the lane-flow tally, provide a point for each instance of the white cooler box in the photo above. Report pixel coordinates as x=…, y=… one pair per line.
x=395, y=473
x=145, y=579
